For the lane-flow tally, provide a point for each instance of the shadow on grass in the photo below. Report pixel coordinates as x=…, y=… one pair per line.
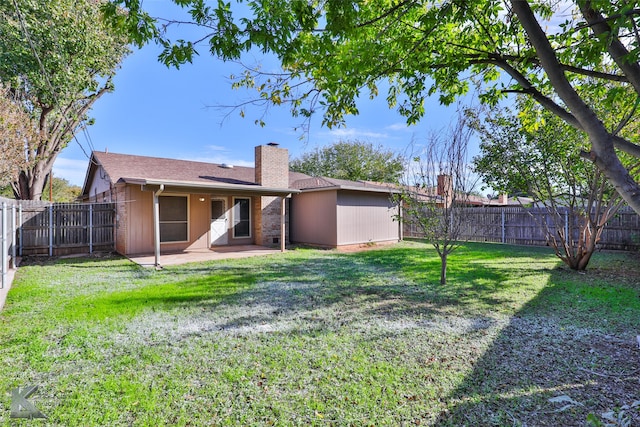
x=575, y=342
x=555, y=342
x=390, y=282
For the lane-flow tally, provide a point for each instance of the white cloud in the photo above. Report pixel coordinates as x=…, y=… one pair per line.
x=400, y=126
x=217, y=148
x=72, y=170
x=354, y=133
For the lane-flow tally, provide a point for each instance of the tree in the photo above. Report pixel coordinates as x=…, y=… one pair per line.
x=334, y=51
x=62, y=191
x=58, y=59
x=545, y=164
x=17, y=134
x=436, y=198
x=353, y=160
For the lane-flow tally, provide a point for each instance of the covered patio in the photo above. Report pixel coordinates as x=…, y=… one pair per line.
x=201, y=255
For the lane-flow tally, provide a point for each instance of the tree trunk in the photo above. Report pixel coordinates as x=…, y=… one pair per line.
x=31, y=182
x=443, y=268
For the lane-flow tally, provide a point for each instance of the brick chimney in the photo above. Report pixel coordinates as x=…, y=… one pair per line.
x=272, y=166
x=503, y=199
x=272, y=170
x=445, y=189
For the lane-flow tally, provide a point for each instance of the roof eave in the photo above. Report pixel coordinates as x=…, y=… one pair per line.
x=352, y=188
x=150, y=184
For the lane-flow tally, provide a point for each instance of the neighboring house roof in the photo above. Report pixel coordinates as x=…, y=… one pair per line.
x=155, y=171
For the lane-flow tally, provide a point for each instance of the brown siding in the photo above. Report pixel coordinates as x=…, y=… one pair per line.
x=313, y=218
x=199, y=221
x=365, y=217
x=139, y=207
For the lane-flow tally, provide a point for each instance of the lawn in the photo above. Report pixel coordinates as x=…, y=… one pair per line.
x=325, y=338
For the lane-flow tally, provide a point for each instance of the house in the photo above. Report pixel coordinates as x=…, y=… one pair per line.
x=168, y=205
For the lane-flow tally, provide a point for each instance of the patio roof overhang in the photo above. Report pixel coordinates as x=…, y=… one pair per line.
x=160, y=186
x=209, y=187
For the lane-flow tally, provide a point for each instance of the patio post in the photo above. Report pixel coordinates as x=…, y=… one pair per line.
x=282, y=224
x=156, y=225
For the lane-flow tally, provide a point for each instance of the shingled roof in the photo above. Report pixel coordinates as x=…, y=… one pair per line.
x=126, y=168
x=324, y=183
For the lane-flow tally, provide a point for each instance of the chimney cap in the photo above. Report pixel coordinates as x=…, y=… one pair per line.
x=273, y=144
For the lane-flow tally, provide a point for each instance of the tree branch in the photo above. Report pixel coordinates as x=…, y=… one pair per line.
x=616, y=49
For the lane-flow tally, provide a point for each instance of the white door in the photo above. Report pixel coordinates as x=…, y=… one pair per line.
x=219, y=227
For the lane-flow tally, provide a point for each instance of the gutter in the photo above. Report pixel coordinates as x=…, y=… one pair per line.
x=153, y=185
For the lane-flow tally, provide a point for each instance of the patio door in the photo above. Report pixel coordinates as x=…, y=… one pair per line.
x=219, y=226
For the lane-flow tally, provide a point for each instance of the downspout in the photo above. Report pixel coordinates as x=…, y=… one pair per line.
x=156, y=225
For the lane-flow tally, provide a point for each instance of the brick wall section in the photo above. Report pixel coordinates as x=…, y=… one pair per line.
x=272, y=170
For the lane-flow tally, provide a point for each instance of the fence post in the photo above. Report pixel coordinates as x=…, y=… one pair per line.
x=13, y=236
x=20, y=228
x=4, y=243
x=90, y=229
x=50, y=230
x=503, y=231
x=566, y=226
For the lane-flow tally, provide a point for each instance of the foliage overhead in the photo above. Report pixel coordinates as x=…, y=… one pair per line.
x=333, y=52
x=58, y=59
x=353, y=160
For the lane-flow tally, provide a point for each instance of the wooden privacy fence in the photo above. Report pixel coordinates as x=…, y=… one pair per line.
x=516, y=225
x=66, y=228
x=53, y=229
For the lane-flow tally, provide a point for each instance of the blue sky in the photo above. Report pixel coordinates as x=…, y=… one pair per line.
x=156, y=111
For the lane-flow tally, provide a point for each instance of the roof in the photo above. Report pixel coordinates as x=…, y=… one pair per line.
x=156, y=171
x=323, y=183
x=153, y=172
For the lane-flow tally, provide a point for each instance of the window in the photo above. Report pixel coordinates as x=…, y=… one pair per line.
x=174, y=214
x=241, y=217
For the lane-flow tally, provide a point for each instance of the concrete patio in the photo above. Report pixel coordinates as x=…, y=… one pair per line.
x=200, y=255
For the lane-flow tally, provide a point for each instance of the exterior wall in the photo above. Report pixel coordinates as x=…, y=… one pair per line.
x=272, y=170
x=313, y=218
x=139, y=206
x=134, y=226
x=199, y=221
x=99, y=184
x=366, y=217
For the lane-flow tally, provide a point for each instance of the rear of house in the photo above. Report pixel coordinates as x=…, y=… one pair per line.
x=167, y=205
x=191, y=205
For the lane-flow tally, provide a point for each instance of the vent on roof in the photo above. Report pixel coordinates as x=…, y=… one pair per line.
x=273, y=144
x=226, y=166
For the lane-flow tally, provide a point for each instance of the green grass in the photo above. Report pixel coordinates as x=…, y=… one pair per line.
x=323, y=338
